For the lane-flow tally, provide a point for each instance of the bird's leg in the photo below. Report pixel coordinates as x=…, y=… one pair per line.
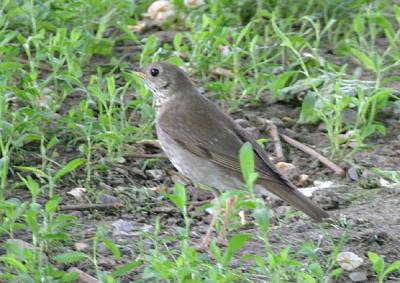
x=206, y=239
x=221, y=239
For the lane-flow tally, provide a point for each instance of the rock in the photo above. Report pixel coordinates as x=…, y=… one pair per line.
x=77, y=193
x=348, y=260
x=349, y=116
x=322, y=127
x=155, y=174
x=83, y=276
x=303, y=180
x=25, y=245
x=105, y=198
x=282, y=211
x=276, y=121
x=199, y=194
x=352, y=173
x=225, y=51
x=242, y=123
x=123, y=228
x=254, y=132
x=358, y=276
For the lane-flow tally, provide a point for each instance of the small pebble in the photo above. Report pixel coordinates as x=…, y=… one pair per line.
x=123, y=228
x=155, y=174
x=358, y=276
x=105, y=198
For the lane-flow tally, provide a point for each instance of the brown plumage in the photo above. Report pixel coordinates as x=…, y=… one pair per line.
x=203, y=142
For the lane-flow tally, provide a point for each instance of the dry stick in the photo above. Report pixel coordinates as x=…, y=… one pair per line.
x=153, y=143
x=144, y=155
x=83, y=276
x=328, y=163
x=273, y=131
x=116, y=205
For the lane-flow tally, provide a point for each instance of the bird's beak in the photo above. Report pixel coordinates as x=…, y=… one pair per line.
x=139, y=74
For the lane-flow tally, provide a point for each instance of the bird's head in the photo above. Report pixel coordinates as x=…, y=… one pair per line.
x=165, y=80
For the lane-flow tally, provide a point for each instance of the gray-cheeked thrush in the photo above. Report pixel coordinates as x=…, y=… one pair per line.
x=203, y=142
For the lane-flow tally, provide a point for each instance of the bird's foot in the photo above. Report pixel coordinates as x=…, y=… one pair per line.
x=222, y=241
x=204, y=245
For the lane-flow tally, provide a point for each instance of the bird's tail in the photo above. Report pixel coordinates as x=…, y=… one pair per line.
x=295, y=198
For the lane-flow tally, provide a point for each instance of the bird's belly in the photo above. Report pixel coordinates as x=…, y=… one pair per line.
x=199, y=170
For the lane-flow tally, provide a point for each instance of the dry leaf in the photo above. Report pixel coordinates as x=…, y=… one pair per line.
x=161, y=12
x=284, y=166
x=222, y=72
x=77, y=193
x=81, y=246
x=348, y=260
x=140, y=27
x=193, y=3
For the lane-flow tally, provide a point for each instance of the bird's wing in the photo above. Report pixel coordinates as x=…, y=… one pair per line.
x=218, y=138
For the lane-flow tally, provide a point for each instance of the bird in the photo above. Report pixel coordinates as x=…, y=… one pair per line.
x=203, y=142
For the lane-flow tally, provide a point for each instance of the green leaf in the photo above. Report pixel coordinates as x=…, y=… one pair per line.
x=246, y=156
x=378, y=264
x=52, y=204
x=177, y=41
x=111, y=85
x=15, y=263
x=33, y=170
x=358, y=25
x=308, y=113
x=176, y=61
x=9, y=66
x=113, y=248
x=397, y=10
x=386, y=25
x=216, y=251
x=54, y=140
x=70, y=257
x=179, y=197
x=285, y=40
x=261, y=216
x=235, y=244
x=69, y=167
x=124, y=269
x=368, y=63
x=280, y=82
x=337, y=272
x=392, y=267
x=307, y=278
x=32, y=186
x=32, y=221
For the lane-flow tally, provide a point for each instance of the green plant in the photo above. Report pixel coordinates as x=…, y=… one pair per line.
x=378, y=266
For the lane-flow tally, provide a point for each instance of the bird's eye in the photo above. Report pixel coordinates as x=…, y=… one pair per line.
x=154, y=72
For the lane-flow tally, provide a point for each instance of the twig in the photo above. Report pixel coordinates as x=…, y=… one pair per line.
x=144, y=155
x=116, y=205
x=150, y=143
x=328, y=163
x=83, y=276
x=273, y=131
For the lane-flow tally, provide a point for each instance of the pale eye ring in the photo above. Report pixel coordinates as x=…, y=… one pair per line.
x=154, y=72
